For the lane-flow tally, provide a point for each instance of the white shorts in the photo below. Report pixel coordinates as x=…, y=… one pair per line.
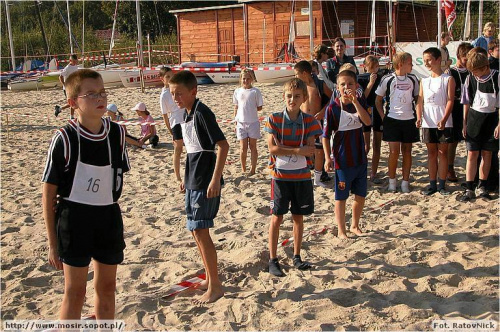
x=248, y=130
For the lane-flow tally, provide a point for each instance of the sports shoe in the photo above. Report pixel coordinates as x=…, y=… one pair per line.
x=57, y=110
x=405, y=187
x=467, y=196
x=444, y=192
x=144, y=146
x=275, y=268
x=325, y=177
x=429, y=191
x=392, y=188
x=483, y=193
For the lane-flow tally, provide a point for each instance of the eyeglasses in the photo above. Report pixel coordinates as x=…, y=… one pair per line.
x=95, y=95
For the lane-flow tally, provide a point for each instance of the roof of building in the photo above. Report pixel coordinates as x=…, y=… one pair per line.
x=176, y=11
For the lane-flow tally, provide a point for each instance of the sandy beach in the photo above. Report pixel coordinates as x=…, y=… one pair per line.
x=422, y=258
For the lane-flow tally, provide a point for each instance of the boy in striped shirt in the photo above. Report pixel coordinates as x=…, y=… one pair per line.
x=291, y=145
x=343, y=118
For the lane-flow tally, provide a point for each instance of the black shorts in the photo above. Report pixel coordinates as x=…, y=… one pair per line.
x=177, y=132
x=85, y=231
x=433, y=135
x=318, y=143
x=296, y=196
x=403, y=131
x=376, y=124
x=457, y=116
x=481, y=131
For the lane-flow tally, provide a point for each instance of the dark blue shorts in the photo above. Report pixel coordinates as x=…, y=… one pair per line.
x=200, y=210
x=352, y=179
x=108, y=259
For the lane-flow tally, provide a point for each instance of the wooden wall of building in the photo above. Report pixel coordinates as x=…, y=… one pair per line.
x=360, y=12
x=271, y=36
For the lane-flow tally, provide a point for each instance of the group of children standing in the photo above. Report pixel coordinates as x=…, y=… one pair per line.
x=87, y=157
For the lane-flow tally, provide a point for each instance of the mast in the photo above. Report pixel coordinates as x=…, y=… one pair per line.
x=311, y=28
x=69, y=28
x=467, y=22
x=139, y=31
x=373, y=34
x=112, y=43
x=83, y=28
x=11, y=43
x=480, y=20
x=439, y=24
x=37, y=4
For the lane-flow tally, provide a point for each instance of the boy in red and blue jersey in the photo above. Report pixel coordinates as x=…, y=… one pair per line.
x=343, y=118
x=291, y=145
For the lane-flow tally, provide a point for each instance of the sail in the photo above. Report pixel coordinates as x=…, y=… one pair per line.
x=467, y=22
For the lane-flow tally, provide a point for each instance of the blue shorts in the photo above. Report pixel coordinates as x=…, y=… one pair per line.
x=108, y=259
x=352, y=179
x=200, y=210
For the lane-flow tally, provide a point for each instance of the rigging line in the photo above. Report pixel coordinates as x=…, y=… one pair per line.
x=157, y=18
x=338, y=22
x=415, y=19
x=425, y=24
x=330, y=21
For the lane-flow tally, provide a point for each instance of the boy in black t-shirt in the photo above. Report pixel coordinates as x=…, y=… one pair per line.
x=84, y=171
x=203, y=174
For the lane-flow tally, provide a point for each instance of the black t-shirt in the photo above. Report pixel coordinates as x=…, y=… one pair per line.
x=200, y=165
x=493, y=63
x=459, y=75
x=333, y=66
x=63, y=155
x=364, y=79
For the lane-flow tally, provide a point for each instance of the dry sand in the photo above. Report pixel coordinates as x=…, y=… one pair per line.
x=422, y=259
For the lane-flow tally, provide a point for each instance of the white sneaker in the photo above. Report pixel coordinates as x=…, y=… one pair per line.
x=392, y=186
x=405, y=187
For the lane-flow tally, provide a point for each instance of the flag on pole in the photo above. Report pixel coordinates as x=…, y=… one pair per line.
x=450, y=13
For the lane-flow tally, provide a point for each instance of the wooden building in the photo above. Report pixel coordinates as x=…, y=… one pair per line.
x=256, y=31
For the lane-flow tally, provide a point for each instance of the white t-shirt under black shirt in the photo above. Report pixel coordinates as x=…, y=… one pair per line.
x=68, y=70
x=400, y=92
x=169, y=107
x=247, y=100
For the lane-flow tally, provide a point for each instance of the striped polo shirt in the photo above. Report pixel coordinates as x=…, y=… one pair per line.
x=348, y=147
x=291, y=135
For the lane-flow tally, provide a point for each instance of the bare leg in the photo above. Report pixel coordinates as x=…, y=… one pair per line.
x=207, y=250
x=471, y=167
x=357, y=210
x=485, y=166
x=298, y=232
x=204, y=284
x=105, y=288
x=243, y=154
x=443, y=160
x=253, y=154
x=75, y=285
x=377, y=143
x=452, y=151
x=340, y=218
x=274, y=232
x=406, y=151
x=432, y=162
x=366, y=136
x=394, y=148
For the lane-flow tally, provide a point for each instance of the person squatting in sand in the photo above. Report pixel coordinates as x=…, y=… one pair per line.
x=173, y=117
x=291, y=135
x=481, y=127
x=203, y=174
x=434, y=107
x=84, y=172
x=400, y=89
x=248, y=102
x=148, y=130
x=344, y=117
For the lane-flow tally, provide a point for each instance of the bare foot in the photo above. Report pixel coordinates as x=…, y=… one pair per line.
x=356, y=230
x=252, y=172
x=202, y=285
x=342, y=236
x=210, y=296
